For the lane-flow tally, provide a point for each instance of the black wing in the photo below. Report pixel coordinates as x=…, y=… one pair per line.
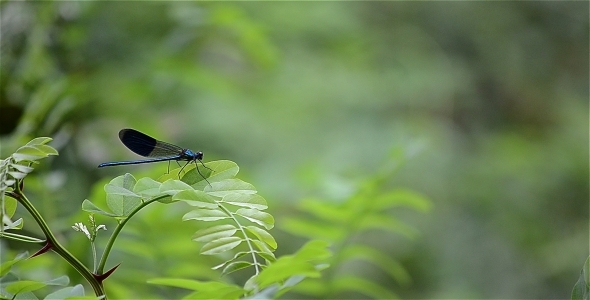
x=145, y=145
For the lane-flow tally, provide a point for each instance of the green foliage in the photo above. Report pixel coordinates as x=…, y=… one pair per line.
x=7, y=265
x=203, y=290
x=289, y=270
x=14, y=169
x=343, y=224
x=274, y=280
x=321, y=88
x=12, y=286
x=231, y=207
x=581, y=289
x=226, y=198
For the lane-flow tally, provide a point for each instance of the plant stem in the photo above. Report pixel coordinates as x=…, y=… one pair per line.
x=116, y=232
x=241, y=228
x=93, y=256
x=56, y=246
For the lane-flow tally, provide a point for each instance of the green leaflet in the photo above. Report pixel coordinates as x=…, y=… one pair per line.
x=581, y=290
x=253, y=201
x=212, y=233
x=229, y=186
x=205, y=215
x=147, y=187
x=120, y=196
x=258, y=217
x=196, y=198
x=221, y=245
x=24, y=286
x=263, y=235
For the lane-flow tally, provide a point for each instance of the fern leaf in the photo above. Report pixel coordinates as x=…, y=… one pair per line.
x=263, y=235
x=205, y=215
x=195, y=198
x=261, y=218
x=253, y=201
x=147, y=187
x=215, y=232
x=230, y=186
x=236, y=266
x=221, y=245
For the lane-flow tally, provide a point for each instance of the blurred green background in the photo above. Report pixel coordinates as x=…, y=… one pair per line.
x=489, y=100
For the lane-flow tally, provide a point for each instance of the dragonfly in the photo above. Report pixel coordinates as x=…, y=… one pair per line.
x=156, y=151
